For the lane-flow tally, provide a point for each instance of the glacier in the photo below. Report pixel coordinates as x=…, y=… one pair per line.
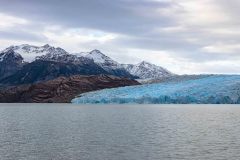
x=216, y=89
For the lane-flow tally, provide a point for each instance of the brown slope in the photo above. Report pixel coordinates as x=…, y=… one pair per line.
x=62, y=89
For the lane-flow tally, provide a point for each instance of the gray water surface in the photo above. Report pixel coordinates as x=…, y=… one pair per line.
x=70, y=132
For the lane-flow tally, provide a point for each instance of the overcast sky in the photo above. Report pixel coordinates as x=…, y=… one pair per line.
x=185, y=36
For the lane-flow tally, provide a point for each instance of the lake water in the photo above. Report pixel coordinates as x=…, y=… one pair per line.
x=70, y=132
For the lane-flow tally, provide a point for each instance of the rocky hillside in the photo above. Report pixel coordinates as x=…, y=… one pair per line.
x=62, y=89
x=10, y=63
x=46, y=70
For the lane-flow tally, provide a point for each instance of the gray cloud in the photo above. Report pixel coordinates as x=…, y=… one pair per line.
x=125, y=16
x=22, y=35
x=197, y=31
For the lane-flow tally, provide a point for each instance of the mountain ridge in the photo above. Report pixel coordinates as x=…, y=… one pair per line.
x=142, y=70
x=30, y=52
x=25, y=53
x=146, y=70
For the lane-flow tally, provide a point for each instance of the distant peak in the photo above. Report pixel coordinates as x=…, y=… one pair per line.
x=99, y=57
x=145, y=63
x=15, y=47
x=9, y=53
x=59, y=48
x=10, y=47
x=46, y=46
x=24, y=45
x=96, y=51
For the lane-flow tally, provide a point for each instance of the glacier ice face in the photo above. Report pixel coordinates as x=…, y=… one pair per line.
x=215, y=89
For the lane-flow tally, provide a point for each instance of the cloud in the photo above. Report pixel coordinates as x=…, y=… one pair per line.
x=227, y=49
x=173, y=33
x=10, y=21
x=16, y=28
x=21, y=35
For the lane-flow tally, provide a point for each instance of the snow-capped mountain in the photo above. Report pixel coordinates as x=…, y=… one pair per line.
x=143, y=70
x=9, y=55
x=30, y=52
x=65, y=58
x=146, y=70
x=107, y=63
x=10, y=62
x=101, y=59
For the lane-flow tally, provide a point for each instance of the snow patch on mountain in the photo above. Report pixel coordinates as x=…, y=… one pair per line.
x=81, y=54
x=146, y=70
x=10, y=62
x=100, y=58
x=6, y=54
x=30, y=52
